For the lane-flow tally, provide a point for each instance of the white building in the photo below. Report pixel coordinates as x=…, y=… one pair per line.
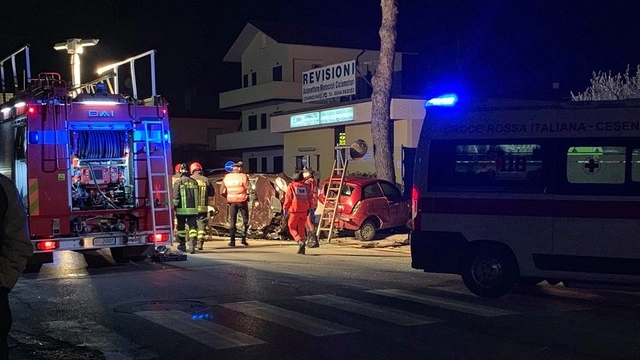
x=273, y=59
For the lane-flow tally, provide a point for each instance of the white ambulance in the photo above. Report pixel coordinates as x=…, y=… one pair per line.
x=518, y=193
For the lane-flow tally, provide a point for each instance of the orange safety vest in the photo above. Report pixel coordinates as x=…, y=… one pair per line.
x=313, y=187
x=236, y=185
x=297, y=198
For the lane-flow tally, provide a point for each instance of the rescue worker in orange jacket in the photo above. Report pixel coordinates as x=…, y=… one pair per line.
x=310, y=180
x=235, y=187
x=206, y=190
x=297, y=202
x=185, y=193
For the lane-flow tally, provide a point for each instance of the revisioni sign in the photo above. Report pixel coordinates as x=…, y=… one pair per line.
x=329, y=82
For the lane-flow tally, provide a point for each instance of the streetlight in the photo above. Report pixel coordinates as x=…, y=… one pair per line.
x=75, y=47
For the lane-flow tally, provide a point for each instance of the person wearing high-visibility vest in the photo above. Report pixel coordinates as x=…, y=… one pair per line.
x=310, y=180
x=297, y=202
x=206, y=190
x=235, y=187
x=185, y=195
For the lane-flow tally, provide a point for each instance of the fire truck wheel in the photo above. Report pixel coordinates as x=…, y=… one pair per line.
x=367, y=231
x=33, y=268
x=489, y=271
x=120, y=256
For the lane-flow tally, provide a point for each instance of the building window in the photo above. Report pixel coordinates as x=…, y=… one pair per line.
x=263, y=164
x=277, y=73
x=253, y=122
x=253, y=165
x=340, y=135
x=254, y=78
x=245, y=80
x=263, y=121
x=278, y=164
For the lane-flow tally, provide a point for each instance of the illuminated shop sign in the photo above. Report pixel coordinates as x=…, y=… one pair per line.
x=321, y=117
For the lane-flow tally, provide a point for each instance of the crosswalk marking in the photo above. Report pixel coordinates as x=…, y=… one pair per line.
x=209, y=333
x=380, y=312
x=93, y=336
x=474, y=309
x=305, y=323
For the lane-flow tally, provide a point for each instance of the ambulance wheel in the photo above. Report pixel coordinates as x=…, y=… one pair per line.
x=367, y=231
x=489, y=271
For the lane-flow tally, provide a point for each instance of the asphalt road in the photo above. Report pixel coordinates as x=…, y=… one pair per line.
x=341, y=301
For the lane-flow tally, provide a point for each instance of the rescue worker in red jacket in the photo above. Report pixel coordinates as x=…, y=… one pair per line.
x=310, y=180
x=297, y=202
x=235, y=187
x=206, y=190
x=185, y=193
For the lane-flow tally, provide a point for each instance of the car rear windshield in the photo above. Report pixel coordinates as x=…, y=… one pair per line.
x=346, y=190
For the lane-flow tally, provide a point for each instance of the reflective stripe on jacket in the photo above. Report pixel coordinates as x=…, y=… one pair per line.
x=236, y=185
x=298, y=198
x=313, y=187
x=206, y=190
x=185, y=193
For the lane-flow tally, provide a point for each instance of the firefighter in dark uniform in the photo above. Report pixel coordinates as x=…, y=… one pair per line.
x=206, y=190
x=185, y=195
x=235, y=187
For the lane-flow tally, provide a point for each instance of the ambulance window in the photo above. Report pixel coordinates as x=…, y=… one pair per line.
x=635, y=165
x=498, y=164
x=596, y=164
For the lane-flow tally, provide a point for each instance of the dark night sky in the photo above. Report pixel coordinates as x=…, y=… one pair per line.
x=499, y=47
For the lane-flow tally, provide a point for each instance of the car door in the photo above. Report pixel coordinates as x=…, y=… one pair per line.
x=374, y=202
x=397, y=205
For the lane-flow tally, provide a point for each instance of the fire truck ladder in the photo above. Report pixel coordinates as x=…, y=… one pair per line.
x=156, y=148
x=332, y=198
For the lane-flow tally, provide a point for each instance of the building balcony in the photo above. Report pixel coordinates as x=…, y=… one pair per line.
x=271, y=93
x=249, y=139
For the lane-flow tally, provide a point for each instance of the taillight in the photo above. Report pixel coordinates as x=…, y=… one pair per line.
x=158, y=238
x=415, y=211
x=356, y=207
x=47, y=245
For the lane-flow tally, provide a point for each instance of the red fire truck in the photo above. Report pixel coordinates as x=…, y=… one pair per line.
x=92, y=164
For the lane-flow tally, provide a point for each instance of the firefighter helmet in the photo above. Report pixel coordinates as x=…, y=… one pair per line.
x=176, y=169
x=195, y=167
x=184, y=168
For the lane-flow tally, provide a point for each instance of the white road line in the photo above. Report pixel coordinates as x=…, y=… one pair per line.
x=206, y=332
x=376, y=311
x=94, y=336
x=460, y=306
x=291, y=319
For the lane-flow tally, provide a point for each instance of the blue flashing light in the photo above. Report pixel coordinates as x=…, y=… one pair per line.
x=443, y=100
x=34, y=137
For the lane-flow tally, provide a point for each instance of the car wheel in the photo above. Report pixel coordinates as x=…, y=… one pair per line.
x=489, y=271
x=366, y=232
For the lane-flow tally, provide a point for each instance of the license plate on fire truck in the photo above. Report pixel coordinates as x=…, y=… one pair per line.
x=104, y=241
